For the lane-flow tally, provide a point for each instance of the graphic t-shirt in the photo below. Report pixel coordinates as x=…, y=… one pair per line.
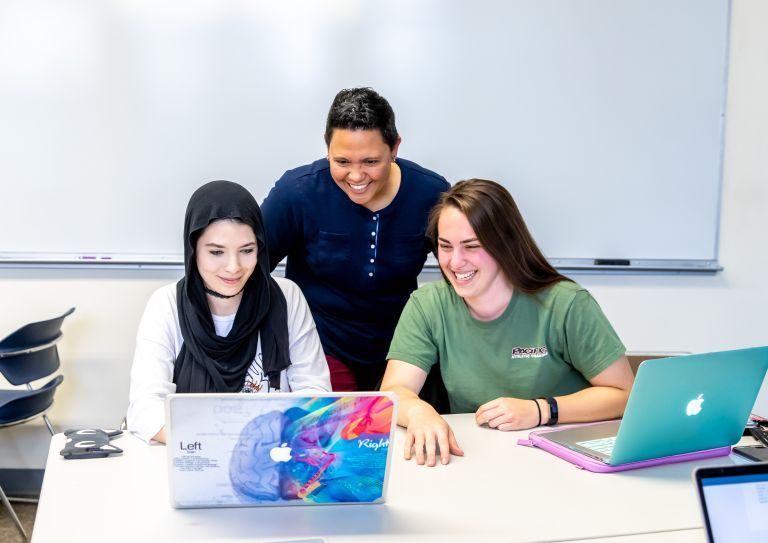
x=547, y=344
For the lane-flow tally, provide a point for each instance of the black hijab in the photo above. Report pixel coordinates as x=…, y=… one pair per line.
x=211, y=363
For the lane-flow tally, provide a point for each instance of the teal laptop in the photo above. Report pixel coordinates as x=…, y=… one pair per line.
x=677, y=405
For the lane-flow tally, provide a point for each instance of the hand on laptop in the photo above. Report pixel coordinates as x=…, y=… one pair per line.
x=509, y=414
x=427, y=435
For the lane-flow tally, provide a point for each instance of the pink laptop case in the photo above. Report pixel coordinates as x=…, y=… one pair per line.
x=538, y=439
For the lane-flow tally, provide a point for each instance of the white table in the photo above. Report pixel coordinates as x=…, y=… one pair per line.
x=499, y=491
x=679, y=536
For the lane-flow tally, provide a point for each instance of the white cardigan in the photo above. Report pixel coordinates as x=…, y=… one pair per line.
x=159, y=341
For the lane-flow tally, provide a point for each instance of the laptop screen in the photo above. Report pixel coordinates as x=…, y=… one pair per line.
x=734, y=502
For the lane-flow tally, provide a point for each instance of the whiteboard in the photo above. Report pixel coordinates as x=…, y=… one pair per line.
x=604, y=118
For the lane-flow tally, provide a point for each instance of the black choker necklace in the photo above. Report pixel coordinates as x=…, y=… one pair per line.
x=219, y=295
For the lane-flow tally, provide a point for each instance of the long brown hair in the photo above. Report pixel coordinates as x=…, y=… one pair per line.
x=500, y=228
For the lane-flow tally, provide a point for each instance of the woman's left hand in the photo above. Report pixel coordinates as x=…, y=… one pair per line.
x=508, y=414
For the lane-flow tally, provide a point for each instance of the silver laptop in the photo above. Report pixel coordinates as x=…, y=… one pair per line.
x=230, y=450
x=761, y=404
x=677, y=405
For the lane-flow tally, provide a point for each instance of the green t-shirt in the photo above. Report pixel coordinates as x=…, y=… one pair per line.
x=547, y=344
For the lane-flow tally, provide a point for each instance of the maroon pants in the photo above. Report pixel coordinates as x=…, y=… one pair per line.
x=353, y=377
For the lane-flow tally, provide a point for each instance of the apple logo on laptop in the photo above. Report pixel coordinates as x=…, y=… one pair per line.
x=694, y=406
x=281, y=453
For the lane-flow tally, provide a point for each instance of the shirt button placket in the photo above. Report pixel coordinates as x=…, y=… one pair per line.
x=374, y=244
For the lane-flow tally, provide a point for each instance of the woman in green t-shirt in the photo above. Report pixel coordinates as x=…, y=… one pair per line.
x=518, y=344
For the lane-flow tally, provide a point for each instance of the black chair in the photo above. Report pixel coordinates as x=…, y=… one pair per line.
x=433, y=391
x=27, y=355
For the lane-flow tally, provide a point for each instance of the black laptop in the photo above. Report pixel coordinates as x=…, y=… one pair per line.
x=734, y=502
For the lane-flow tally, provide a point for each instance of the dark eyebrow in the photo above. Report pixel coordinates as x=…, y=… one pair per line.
x=212, y=244
x=463, y=242
x=362, y=159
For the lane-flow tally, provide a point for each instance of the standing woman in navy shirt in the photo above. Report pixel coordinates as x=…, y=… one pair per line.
x=352, y=226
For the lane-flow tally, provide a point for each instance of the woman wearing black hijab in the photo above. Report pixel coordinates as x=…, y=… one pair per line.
x=227, y=325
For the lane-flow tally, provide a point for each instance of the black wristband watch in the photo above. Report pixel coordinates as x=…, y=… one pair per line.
x=552, y=411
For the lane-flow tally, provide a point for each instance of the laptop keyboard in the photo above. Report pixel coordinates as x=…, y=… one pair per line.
x=603, y=445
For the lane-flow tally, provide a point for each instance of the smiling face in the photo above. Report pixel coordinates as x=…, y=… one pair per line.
x=225, y=255
x=362, y=165
x=474, y=274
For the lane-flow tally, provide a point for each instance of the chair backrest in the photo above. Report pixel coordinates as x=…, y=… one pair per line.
x=30, y=353
x=30, y=366
x=638, y=357
x=28, y=405
x=33, y=335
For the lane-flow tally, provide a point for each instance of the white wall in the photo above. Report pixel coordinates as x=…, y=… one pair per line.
x=98, y=87
x=676, y=313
